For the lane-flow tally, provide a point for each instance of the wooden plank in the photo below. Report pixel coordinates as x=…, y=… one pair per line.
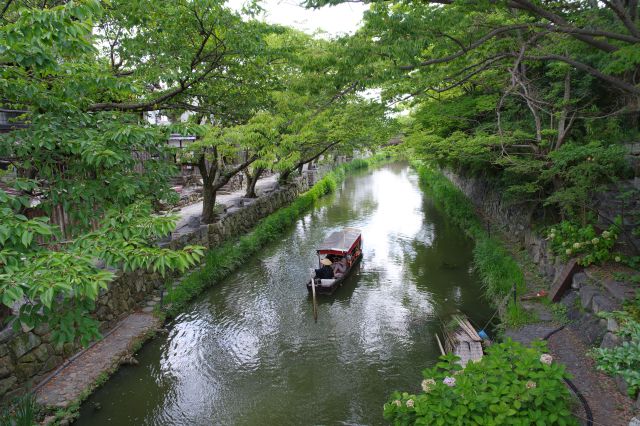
x=563, y=283
x=464, y=324
x=440, y=345
x=474, y=334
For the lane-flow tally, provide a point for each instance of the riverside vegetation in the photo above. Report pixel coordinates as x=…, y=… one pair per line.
x=538, y=98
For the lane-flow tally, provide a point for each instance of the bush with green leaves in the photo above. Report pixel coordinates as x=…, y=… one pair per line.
x=511, y=385
x=570, y=240
x=623, y=360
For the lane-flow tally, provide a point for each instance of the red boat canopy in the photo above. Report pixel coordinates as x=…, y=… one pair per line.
x=340, y=242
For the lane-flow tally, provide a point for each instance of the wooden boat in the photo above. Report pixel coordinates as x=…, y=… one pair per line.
x=461, y=339
x=344, y=247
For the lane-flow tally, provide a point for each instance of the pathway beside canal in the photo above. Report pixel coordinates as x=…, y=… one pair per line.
x=78, y=375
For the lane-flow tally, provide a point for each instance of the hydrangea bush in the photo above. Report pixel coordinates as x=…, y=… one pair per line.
x=511, y=385
x=569, y=240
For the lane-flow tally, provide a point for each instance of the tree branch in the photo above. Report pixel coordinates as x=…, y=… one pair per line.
x=624, y=17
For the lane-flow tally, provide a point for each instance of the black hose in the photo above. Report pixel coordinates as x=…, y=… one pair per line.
x=573, y=387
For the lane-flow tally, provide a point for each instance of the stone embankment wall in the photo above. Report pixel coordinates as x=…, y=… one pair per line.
x=515, y=220
x=28, y=356
x=589, y=294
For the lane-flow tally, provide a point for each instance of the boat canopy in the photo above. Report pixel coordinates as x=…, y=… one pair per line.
x=340, y=242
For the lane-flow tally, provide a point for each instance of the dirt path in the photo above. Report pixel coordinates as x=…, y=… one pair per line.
x=609, y=406
x=70, y=382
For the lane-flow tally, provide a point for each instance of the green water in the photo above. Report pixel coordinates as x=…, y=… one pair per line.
x=248, y=352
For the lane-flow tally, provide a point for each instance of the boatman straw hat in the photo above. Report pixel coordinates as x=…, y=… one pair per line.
x=326, y=261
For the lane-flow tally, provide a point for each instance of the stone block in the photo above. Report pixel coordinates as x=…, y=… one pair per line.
x=41, y=329
x=580, y=279
x=43, y=352
x=6, y=367
x=24, y=344
x=617, y=290
x=587, y=327
x=68, y=349
x=610, y=341
x=586, y=295
x=634, y=421
x=52, y=363
x=7, y=384
x=621, y=385
x=602, y=303
x=612, y=325
x=26, y=370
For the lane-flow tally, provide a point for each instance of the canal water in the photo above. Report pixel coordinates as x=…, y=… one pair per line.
x=248, y=352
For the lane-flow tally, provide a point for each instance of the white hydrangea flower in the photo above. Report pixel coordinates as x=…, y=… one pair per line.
x=410, y=403
x=577, y=245
x=595, y=241
x=531, y=385
x=568, y=251
x=428, y=384
x=618, y=258
x=546, y=359
x=398, y=403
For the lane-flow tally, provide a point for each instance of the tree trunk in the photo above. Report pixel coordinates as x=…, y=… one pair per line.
x=252, y=180
x=563, y=127
x=208, y=202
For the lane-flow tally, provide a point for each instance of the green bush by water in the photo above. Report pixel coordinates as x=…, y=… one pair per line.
x=512, y=384
x=222, y=260
x=498, y=270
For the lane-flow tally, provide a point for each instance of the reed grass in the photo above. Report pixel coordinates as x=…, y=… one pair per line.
x=498, y=270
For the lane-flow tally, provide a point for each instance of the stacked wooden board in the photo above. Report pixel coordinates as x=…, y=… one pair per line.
x=463, y=341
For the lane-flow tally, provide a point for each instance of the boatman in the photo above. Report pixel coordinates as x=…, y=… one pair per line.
x=326, y=272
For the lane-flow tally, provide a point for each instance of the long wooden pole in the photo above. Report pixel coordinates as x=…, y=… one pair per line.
x=313, y=292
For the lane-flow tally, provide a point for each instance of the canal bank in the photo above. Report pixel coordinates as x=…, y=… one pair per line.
x=571, y=327
x=248, y=352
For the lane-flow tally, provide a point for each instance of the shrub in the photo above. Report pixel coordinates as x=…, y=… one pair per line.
x=570, y=240
x=512, y=384
x=623, y=360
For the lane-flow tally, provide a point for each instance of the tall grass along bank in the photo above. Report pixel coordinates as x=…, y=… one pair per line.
x=224, y=259
x=498, y=270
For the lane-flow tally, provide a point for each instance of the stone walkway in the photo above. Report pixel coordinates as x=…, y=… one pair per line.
x=70, y=382
x=191, y=213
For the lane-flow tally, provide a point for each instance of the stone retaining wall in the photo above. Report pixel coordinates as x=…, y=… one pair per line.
x=589, y=294
x=514, y=220
x=28, y=356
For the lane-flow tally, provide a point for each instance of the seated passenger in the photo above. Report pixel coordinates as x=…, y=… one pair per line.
x=325, y=272
x=340, y=267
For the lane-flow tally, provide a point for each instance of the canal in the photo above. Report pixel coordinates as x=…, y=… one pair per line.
x=248, y=352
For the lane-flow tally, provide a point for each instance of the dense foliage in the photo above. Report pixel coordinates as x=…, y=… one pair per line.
x=511, y=385
x=85, y=174
x=623, y=360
